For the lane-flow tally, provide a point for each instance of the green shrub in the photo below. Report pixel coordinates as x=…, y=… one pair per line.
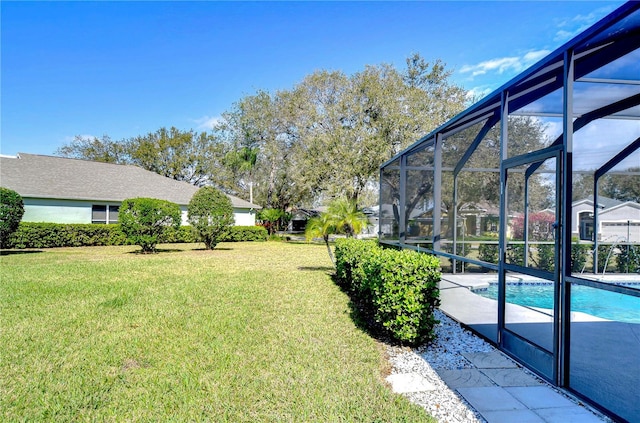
x=579, y=255
x=11, y=212
x=350, y=261
x=462, y=249
x=210, y=214
x=545, y=258
x=246, y=233
x=184, y=234
x=628, y=260
x=148, y=221
x=397, y=288
x=515, y=254
x=489, y=253
x=51, y=235
x=606, y=257
x=405, y=295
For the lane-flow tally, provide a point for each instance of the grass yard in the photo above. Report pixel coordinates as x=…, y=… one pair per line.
x=247, y=332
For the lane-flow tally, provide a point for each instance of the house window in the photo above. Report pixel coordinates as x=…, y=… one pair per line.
x=113, y=214
x=585, y=220
x=104, y=214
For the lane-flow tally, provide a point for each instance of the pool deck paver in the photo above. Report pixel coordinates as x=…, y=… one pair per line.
x=464, y=378
x=511, y=377
x=403, y=383
x=503, y=392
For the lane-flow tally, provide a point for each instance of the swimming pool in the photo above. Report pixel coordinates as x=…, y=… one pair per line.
x=596, y=302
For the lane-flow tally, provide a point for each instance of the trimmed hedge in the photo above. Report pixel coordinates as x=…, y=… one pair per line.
x=50, y=235
x=398, y=289
x=246, y=233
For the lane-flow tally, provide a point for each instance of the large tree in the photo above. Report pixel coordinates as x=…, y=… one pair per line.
x=188, y=156
x=95, y=149
x=326, y=137
x=182, y=155
x=619, y=186
x=259, y=129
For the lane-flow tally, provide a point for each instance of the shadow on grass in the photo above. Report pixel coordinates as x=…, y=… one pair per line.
x=215, y=249
x=330, y=270
x=157, y=251
x=12, y=252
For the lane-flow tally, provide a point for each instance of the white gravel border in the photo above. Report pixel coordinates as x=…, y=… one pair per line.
x=445, y=353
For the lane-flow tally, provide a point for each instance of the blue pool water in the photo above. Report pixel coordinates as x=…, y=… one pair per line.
x=596, y=302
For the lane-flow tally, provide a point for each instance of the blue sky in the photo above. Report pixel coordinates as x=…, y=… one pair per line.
x=128, y=68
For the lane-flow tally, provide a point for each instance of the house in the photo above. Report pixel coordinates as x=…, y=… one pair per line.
x=62, y=190
x=299, y=219
x=617, y=220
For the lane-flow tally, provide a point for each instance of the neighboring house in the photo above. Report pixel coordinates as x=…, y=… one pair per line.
x=617, y=220
x=61, y=190
x=299, y=219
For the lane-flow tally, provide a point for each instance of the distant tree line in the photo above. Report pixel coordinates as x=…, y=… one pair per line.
x=322, y=139
x=325, y=138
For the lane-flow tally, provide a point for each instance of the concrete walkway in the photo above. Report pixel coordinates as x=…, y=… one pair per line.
x=503, y=392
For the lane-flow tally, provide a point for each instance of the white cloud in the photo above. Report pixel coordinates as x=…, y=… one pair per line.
x=599, y=141
x=501, y=65
x=477, y=93
x=569, y=28
x=206, y=123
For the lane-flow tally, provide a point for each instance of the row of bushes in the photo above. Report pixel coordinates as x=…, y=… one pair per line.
x=395, y=290
x=49, y=235
x=625, y=258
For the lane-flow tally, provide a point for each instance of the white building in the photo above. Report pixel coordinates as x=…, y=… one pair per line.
x=62, y=190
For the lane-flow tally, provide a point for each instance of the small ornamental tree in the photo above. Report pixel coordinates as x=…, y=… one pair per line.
x=271, y=218
x=342, y=217
x=148, y=221
x=348, y=219
x=210, y=214
x=11, y=211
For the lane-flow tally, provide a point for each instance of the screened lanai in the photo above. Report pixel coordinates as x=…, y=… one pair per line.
x=531, y=198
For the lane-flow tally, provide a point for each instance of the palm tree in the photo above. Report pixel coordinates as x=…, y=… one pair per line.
x=342, y=217
x=243, y=160
x=272, y=218
x=348, y=219
x=321, y=226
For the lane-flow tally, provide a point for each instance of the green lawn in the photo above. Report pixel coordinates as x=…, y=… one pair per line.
x=247, y=332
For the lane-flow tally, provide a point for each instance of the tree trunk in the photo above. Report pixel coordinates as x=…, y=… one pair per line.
x=326, y=241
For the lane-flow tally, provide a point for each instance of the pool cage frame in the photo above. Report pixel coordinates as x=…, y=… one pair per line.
x=586, y=60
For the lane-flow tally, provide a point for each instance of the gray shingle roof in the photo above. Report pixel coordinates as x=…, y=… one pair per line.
x=36, y=176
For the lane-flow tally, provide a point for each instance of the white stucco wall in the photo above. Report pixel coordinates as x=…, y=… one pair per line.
x=244, y=217
x=56, y=211
x=620, y=224
x=69, y=211
x=577, y=209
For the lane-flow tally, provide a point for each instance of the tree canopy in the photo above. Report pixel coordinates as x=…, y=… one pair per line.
x=11, y=212
x=210, y=215
x=323, y=138
x=148, y=221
